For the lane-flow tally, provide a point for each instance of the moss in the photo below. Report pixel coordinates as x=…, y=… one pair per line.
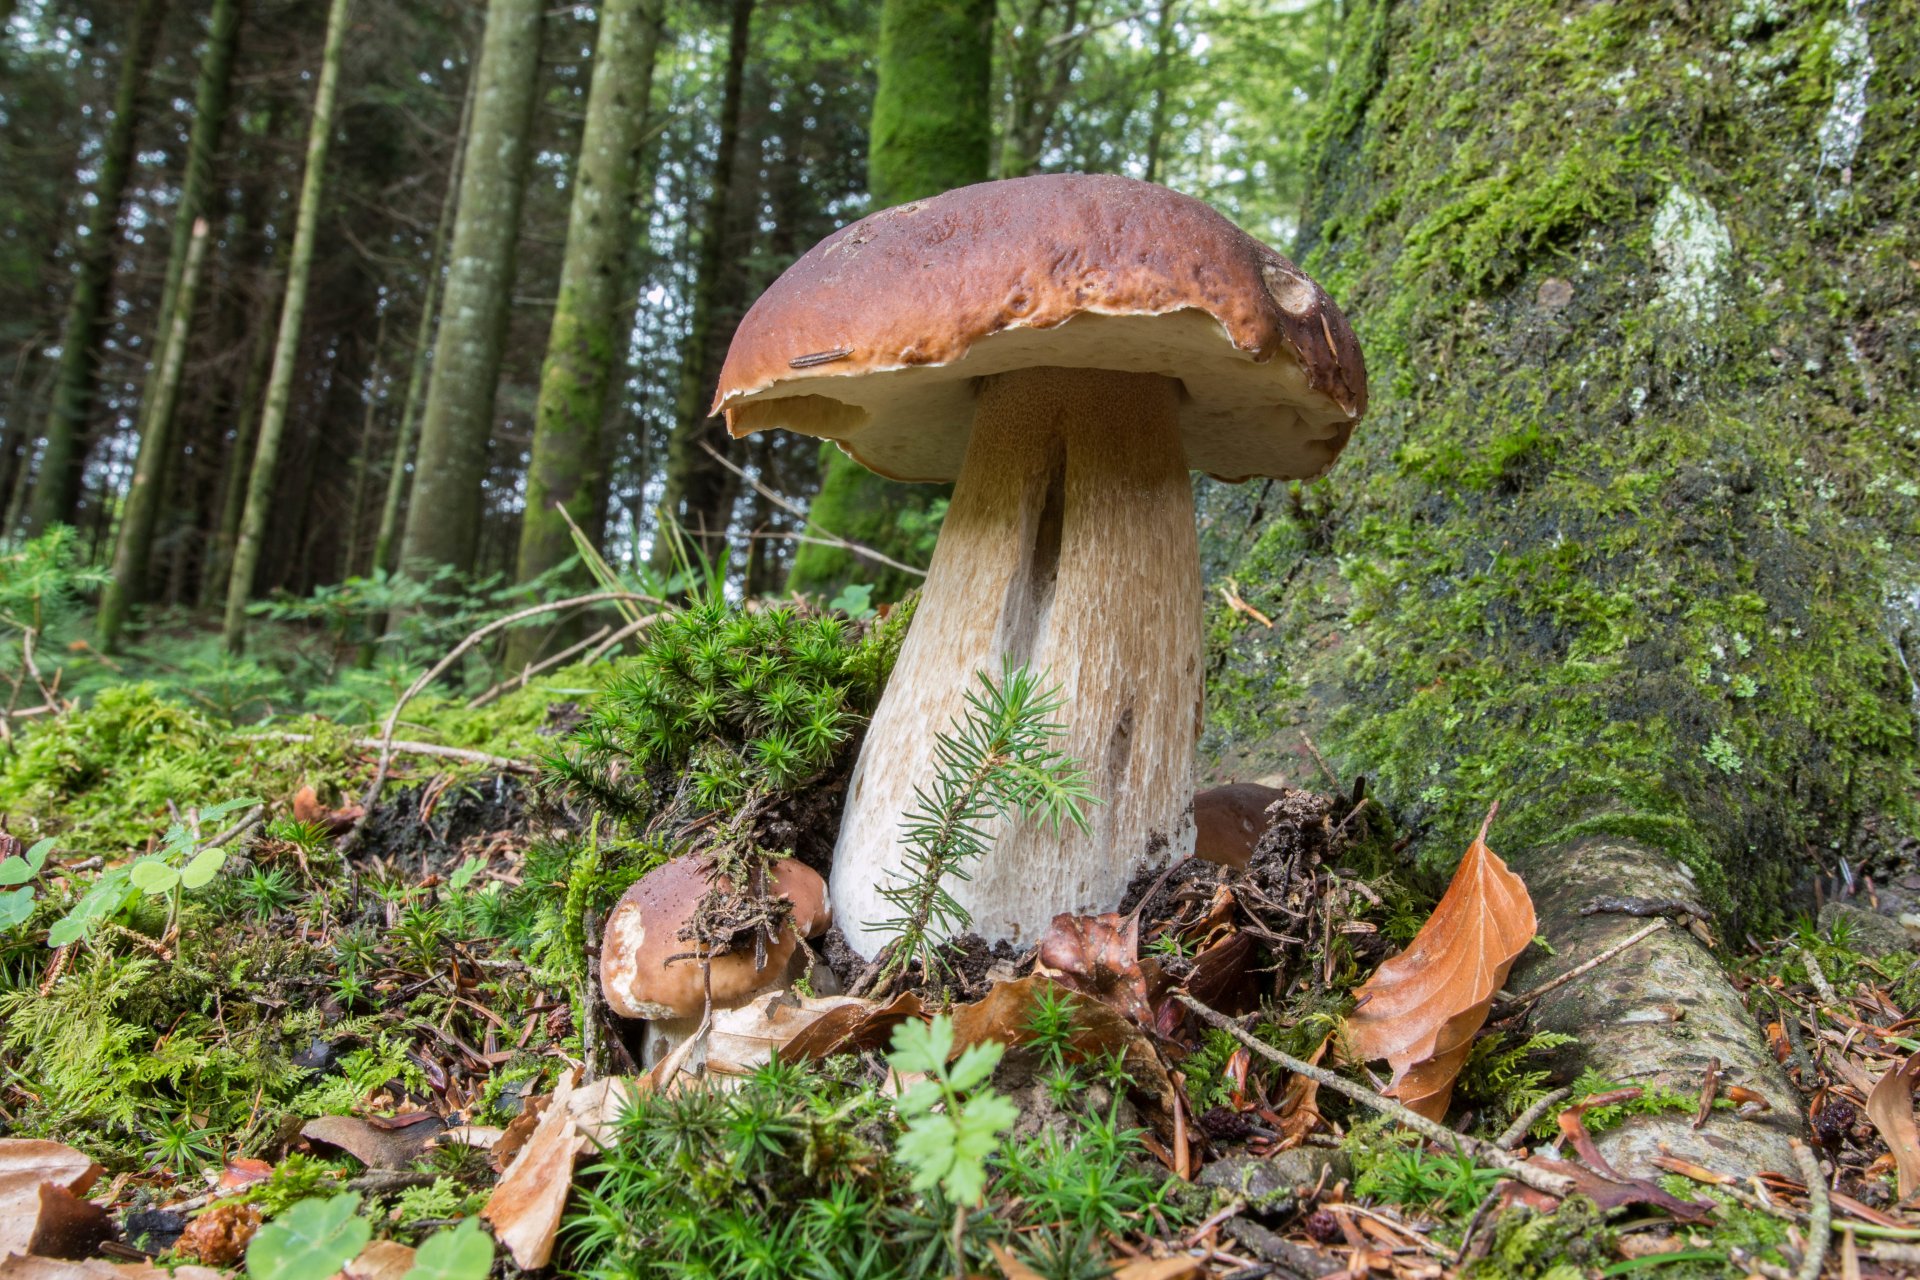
x=1616, y=543
x=1567, y=1244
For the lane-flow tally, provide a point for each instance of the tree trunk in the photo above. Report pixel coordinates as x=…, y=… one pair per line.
x=273, y=418
x=1163, y=41
x=145, y=490
x=233, y=484
x=173, y=325
x=698, y=490
x=57, y=488
x=443, y=518
x=1628, y=541
x=397, y=469
x=363, y=455
x=932, y=131
x=584, y=344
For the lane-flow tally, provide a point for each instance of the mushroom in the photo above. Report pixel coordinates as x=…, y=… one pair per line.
x=649, y=971
x=1065, y=348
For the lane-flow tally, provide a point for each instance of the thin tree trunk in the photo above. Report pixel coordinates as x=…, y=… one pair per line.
x=1628, y=539
x=932, y=131
x=586, y=340
x=1163, y=33
x=57, y=488
x=363, y=455
x=443, y=519
x=144, y=492
x=398, y=472
x=273, y=419
x=697, y=491
x=233, y=484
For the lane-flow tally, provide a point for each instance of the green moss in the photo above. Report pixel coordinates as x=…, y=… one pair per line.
x=1617, y=552
x=1563, y=1245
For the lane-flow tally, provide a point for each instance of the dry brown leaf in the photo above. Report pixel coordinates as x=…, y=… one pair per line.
x=381, y=1260
x=525, y=1206
x=1011, y=1267
x=743, y=1039
x=244, y=1171
x=1890, y=1107
x=519, y=1129
x=1098, y=956
x=377, y=1146
x=40, y=1206
x=1229, y=821
x=597, y=1107
x=219, y=1236
x=852, y=1027
x=1688, y=1169
x=1421, y=1009
x=1160, y=1269
x=21, y=1266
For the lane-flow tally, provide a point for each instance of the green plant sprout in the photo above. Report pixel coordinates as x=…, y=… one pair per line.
x=181, y=864
x=998, y=757
x=16, y=905
x=954, y=1123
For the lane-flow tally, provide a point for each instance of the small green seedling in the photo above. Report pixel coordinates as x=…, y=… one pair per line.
x=310, y=1241
x=180, y=865
x=464, y=1252
x=949, y=1147
x=20, y=869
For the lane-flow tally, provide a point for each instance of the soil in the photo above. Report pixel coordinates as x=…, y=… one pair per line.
x=459, y=820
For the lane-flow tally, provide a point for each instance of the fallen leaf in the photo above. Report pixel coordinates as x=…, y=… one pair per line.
x=1098, y=956
x=308, y=809
x=1890, y=1107
x=41, y=1211
x=1182, y=1268
x=1688, y=1169
x=381, y=1260
x=1229, y=821
x=244, y=1172
x=378, y=1146
x=852, y=1028
x=744, y=1038
x=1098, y=1031
x=1010, y=1266
x=519, y=1129
x=1421, y=1008
x=596, y=1108
x=482, y=1137
x=525, y=1206
x=22, y=1266
x=1613, y=1193
x=219, y=1236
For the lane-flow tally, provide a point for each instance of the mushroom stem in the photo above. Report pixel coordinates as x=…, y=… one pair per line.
x=1069, y=546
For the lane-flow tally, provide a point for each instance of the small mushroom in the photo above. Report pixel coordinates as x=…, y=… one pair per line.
x=1065, y=348
x=649, y=971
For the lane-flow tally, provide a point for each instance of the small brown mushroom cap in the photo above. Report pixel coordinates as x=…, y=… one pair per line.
x=877, y=337
x=648, y=971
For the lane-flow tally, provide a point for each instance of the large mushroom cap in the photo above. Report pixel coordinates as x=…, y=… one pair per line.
x=876, y=337
x=647, y=970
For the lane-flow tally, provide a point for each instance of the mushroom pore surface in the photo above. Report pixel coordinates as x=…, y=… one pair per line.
x=1069, y=546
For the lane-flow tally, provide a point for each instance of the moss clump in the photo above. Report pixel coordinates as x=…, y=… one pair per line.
x=1563, y=1245
x=1617, y=542
x=723, y=703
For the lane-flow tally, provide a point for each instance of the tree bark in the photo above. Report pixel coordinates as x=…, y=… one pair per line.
x=932, y=131
x=273, y=418
x=1628, y=539
x=56, y=491
x=173, y=324
x=584, y=346
x=398, y=472
x=698, y=491
x=443, y=518
x=145, y=490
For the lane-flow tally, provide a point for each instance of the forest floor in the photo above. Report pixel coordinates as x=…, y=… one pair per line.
x=246, y=1022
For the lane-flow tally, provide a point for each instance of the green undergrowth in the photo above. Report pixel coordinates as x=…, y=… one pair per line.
x=1625, y=538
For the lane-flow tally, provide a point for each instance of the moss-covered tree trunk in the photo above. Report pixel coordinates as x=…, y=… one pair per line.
x=286, y=346
x=584, y=345
x=699, y=491
x=932, y=131
x=443, y=517
x=56, y=487
x=1628, y=541
x=173, y=324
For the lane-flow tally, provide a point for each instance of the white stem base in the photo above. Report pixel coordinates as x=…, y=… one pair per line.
x=1069, y=546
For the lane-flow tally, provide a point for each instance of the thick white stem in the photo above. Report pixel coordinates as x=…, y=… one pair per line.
x=1069, y=546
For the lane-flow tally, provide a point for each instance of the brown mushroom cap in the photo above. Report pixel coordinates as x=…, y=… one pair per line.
x=875, y=337
x=636, y=974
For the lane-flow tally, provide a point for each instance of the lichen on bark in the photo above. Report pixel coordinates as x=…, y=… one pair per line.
x=1618, y=541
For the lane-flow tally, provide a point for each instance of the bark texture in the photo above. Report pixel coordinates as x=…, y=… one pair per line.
x=699, y=492
x=1069, y=549
x=584, y=345
x=932, y=131
x=56, y=489
x=293, y=307
x=443, y=518
x=1628, y=540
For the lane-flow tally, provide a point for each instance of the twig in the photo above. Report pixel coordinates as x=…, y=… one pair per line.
x=1587, y=966
x=1709, y=1089
x=1511, y=1136
x=829, y=536
x=1553, y=1184
x=402, y=747
x=1230, y=592
x=393, y=717
x=533, y=669
x=1820, y=1210
x=249, y=821
x=614, y=640
x=1332, y=778
x=1818, y=977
